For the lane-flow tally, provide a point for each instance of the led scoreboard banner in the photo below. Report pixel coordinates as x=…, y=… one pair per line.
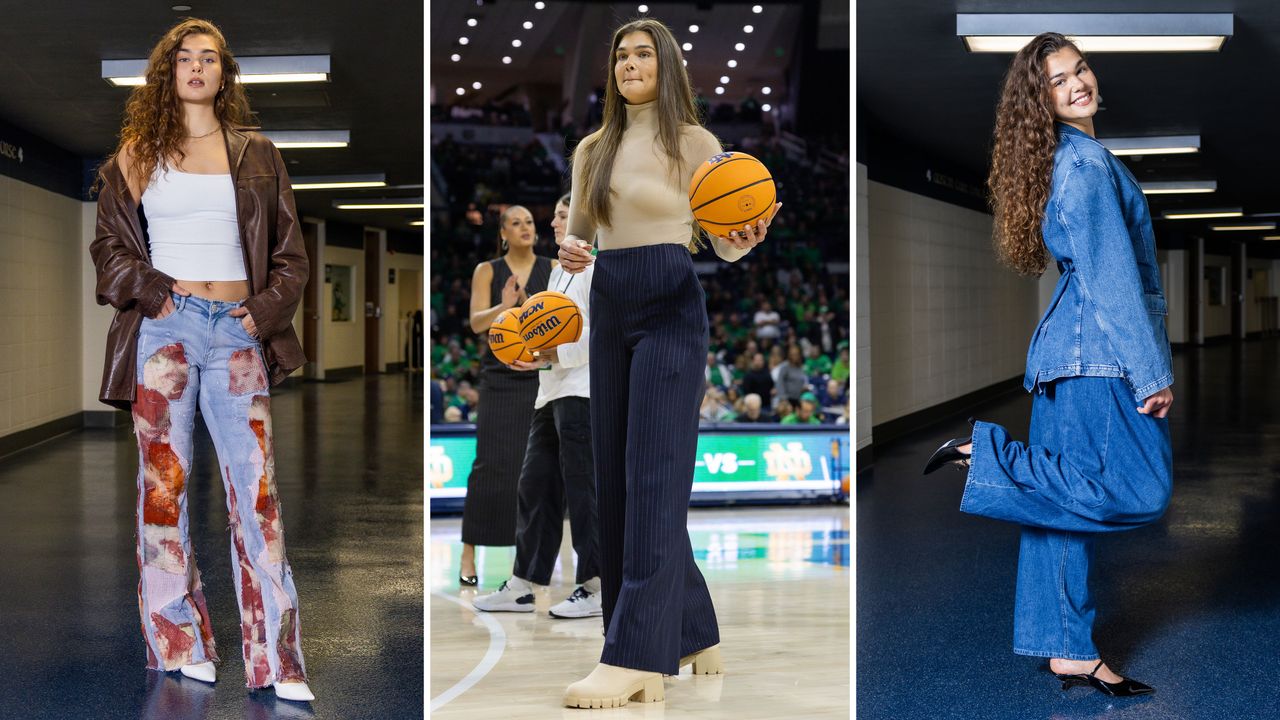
x=735, y=463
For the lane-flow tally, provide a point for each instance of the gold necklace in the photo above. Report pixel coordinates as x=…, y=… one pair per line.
x=197, y=137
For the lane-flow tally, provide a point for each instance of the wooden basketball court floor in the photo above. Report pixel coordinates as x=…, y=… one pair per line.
x=779, y=577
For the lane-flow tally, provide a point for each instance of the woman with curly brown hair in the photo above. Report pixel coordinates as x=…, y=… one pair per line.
x=1099, y=458
x=205, y=292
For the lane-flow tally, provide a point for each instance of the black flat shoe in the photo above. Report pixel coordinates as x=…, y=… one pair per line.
x=1125, y=688
x=949, y=454
x=468, y=580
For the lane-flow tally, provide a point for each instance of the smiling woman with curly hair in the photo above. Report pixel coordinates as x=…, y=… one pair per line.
x=1099, y=458
x=205, y=292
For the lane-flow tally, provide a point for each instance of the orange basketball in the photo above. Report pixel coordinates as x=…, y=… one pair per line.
x=504, y=338
x=548, y=319
x=730, y=190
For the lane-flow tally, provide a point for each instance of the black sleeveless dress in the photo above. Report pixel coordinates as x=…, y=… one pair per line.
x=502, y=431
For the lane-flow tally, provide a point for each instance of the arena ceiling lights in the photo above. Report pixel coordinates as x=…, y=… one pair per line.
x=253, y=70
x=1097, y=32
x=339, y=182
x=1179, y=187
x=1165, y=145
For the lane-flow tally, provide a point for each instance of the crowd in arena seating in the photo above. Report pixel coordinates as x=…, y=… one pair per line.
x=779, y=318
x=509, y=114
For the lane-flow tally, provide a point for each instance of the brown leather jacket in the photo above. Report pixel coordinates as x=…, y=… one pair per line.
x=274, y=257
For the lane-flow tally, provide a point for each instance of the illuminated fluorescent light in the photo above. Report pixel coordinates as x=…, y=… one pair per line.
x=1202, y=214
x=380, y=204
x=1165, y=145
x=253, y=70
x=294, y=139
x=338, y=182
x=1098, y=32
x=418, y=223
x=1254, y=226
x=1179, y=187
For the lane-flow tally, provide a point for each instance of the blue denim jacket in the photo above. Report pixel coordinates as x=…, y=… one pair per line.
x=1106, y=318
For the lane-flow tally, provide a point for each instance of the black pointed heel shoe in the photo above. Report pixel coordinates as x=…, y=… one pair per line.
x=1125, y=688
x=468, y=580
x=948, y=454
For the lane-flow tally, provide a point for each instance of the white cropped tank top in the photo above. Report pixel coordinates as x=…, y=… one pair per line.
x=192, y=226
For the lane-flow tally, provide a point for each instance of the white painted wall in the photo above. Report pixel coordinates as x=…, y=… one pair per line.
x=946, y=319
x=41, y=261
x=403, y=297
x=862, y=329
x=344, y=341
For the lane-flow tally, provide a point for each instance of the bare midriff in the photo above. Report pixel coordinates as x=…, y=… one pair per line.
x=219, y=290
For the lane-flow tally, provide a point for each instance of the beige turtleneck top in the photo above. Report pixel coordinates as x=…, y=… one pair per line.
x=650, y=204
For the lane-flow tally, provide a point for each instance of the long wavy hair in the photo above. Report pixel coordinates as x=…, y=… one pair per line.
x=1022, y=157
x=153, y=128
x=676, y=108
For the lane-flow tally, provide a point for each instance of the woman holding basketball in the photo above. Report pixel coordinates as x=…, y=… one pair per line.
x=1099, y=458
x=506, y=395
x=648, y=346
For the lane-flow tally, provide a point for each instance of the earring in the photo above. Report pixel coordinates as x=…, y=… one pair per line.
x=504, y=244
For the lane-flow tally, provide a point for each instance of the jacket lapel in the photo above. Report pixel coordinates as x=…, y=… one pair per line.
x=237, y=142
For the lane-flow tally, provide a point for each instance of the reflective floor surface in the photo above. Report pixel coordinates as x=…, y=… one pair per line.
x=779, y=578
x=1189, y=605
x=349, y=471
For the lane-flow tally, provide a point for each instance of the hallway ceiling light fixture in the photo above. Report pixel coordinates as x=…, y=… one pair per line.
x=1098, y=32
x=1162, y=145
x=1271, y=237
x=1202, y=214
x=1179, y=187
x=1239, y=228
x=294, y=139
x=339, y=182
x=380, y=204
x=418, y=223
x=261, y=69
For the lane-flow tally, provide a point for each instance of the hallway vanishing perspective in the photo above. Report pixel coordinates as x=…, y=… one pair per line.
x=1190, y=605
x=349, y=473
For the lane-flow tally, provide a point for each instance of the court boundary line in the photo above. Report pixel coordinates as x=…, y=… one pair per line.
x=497, y=644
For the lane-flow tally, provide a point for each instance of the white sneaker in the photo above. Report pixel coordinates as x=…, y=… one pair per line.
x=582, y=603
x=505, y=600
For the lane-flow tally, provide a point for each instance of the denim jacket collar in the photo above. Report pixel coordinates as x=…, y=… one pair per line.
x=1065, y=129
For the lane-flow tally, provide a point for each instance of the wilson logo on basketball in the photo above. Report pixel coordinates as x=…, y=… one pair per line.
x=722, y=156
x=542, y=328
x=530, y=311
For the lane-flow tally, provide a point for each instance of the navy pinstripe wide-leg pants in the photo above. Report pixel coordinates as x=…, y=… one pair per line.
x=648, y=348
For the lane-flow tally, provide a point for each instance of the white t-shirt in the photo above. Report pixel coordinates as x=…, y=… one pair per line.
x=570, y=375
x=764, y=330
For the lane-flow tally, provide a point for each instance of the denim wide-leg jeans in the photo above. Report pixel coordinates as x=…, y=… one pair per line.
x=200, y=355
x=1093, y=464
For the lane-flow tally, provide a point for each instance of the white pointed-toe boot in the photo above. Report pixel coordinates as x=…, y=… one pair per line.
x=610, y=686
x=296, y=691
x=204, y=672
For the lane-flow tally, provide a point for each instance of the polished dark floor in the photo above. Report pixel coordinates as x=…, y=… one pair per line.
x=349, y=472
x=1189, y=605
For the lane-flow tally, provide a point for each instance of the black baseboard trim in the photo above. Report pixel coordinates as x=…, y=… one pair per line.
x=891, y=430
x=396, y=367
x=23, y=439
x=104, y=418
x=862, y=459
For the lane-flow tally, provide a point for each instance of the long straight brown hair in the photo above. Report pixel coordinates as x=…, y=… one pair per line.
x=153, y=129
x=1022, y=156
x=676, y=108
